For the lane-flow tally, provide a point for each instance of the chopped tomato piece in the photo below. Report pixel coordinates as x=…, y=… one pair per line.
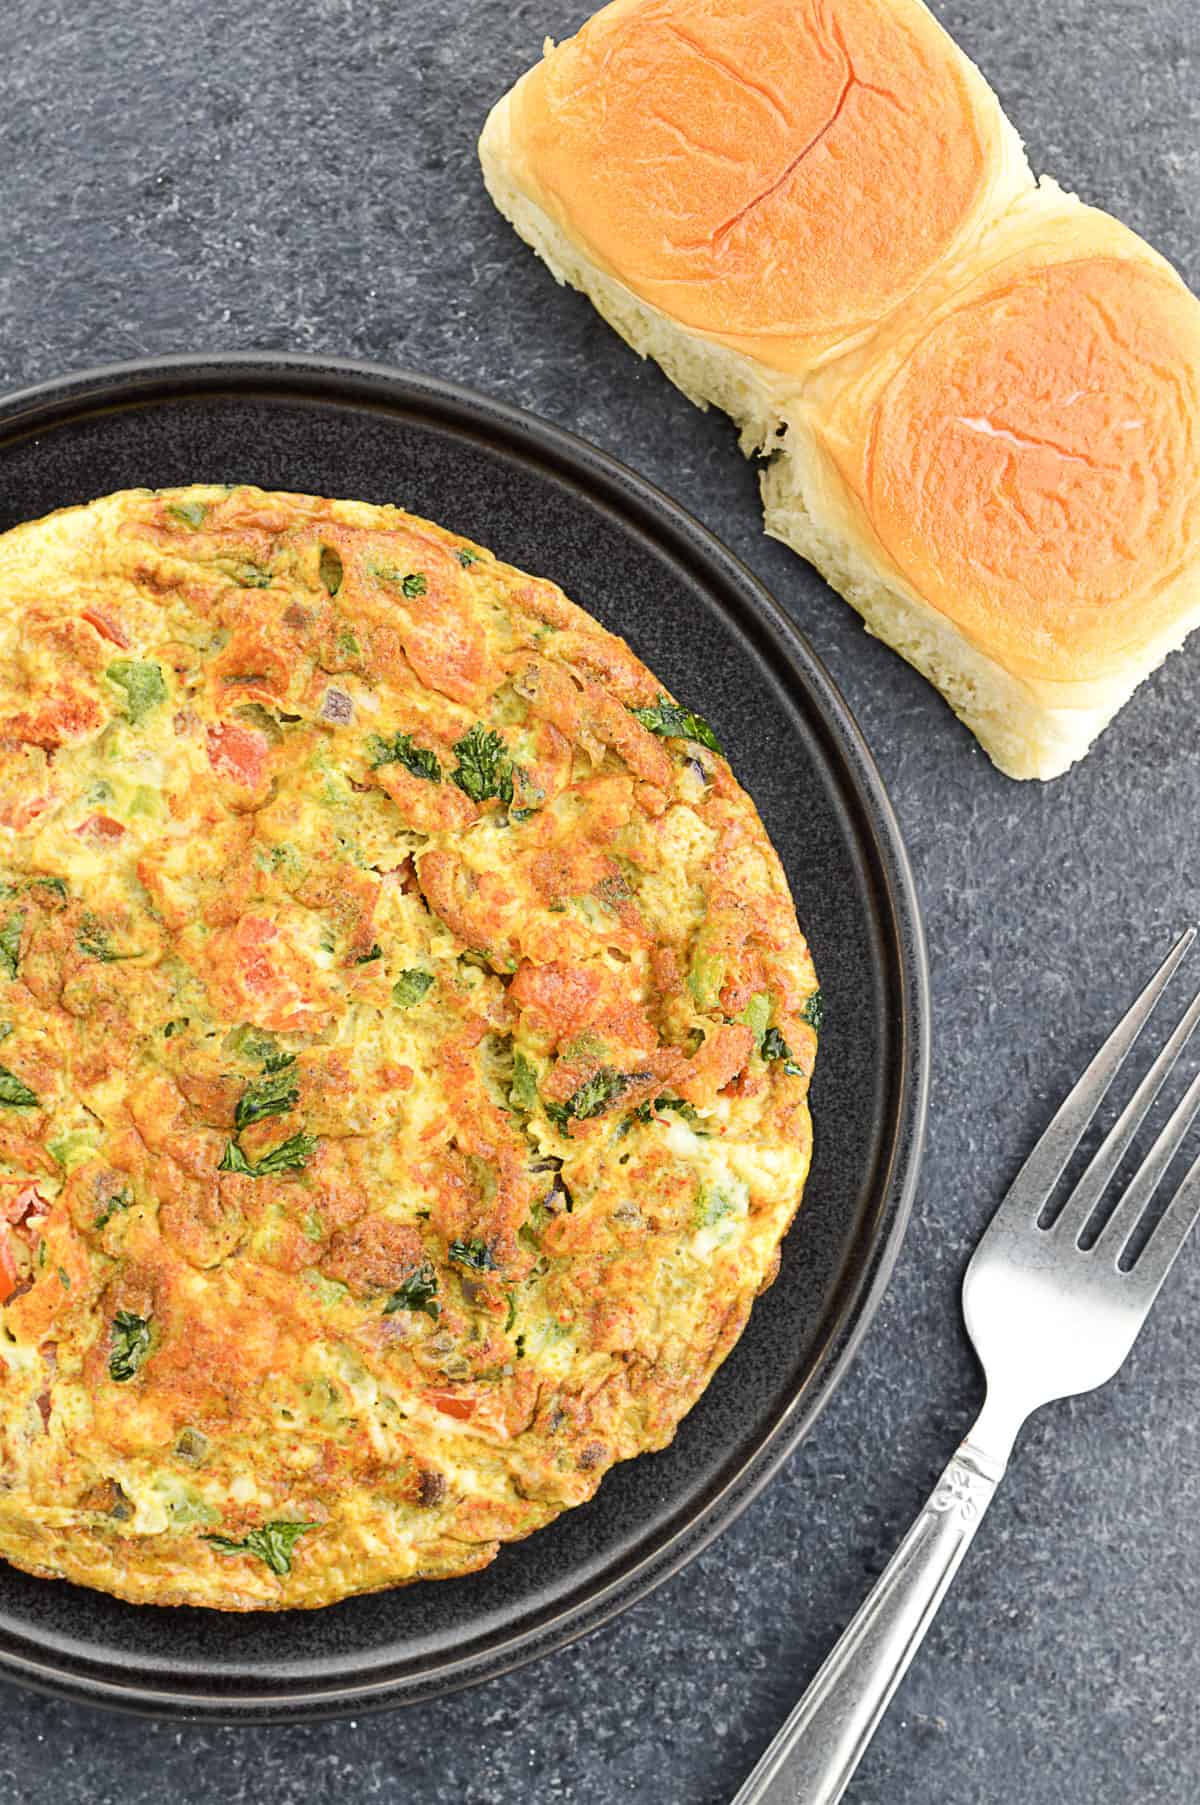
x=239, y=753
x=61, y=715
x=106, y=628
x=100, y=827
x=20, y=815
x=261, y=978
x=10, y=1278
x=395, y=1077
x=450, y=1405
x=255, y=938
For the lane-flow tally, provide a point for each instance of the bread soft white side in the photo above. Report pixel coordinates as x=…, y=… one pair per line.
x=709, y=374
x=1028, y=729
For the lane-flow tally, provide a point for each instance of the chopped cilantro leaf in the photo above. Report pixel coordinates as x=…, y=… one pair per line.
x=248, y=1042
x=274, y=1096
x=467, y=558
x=191, y=513
x=119, y=1201
x=594, y=1096
x=418, y=1292
x=274, y=1543
x=401, y=750
x=475, y=1254
x=673, y=722
x=143, y=686
x=14, y=1094
x=813, y=1011
x=774, y=1046
x=130, y=1345
x=484, y=767
x=684, y=1110
x=596, y=1093
x=645, y=1112
x=10, y=942
x=92, y=939
x=294, y=1152
x=376, y=952
x=410, y=583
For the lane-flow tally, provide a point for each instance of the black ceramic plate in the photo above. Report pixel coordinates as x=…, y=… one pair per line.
x=553, y=505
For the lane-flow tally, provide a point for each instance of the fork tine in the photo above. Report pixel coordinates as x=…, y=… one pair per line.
x=1132, y=1207
x=1159, y=1254
x=1044, y=1167
x=1077, y=1211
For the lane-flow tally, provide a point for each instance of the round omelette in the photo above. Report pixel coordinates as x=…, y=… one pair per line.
x=406, y=1037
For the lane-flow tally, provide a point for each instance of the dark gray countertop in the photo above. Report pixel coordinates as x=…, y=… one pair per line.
x=301, y=175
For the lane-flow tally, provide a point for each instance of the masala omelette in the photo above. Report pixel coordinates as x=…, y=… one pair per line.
x=406, y=1038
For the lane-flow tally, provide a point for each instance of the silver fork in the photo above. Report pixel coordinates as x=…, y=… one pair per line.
x=1049, y=1318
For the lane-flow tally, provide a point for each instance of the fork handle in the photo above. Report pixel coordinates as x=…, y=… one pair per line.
x=813, y=1758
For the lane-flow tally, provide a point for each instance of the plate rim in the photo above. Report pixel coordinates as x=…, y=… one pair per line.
x=133, y=383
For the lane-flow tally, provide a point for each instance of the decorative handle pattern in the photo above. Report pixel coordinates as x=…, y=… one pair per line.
x=965, y=1489
x=814, y=1756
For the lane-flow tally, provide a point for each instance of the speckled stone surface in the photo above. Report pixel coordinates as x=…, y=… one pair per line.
x=302, y=176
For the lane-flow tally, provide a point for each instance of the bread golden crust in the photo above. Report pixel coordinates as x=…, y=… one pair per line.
x=405, y=1050
x=781, y=218
x=1027, y=455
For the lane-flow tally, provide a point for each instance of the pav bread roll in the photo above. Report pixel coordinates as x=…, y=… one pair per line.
x=981, y=399
x=1008, y=488
x=745, y=188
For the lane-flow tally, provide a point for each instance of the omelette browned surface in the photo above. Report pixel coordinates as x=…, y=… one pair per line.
x=406, y=1041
